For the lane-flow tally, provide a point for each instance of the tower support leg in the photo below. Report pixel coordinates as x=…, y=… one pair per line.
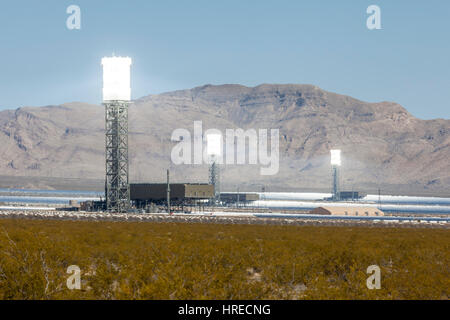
x=214, y=179
x=117, y=189
x=336, y=191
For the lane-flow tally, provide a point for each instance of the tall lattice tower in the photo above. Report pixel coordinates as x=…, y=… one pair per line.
x=214, y=179
x=214, y=151
x=116, y=97
x=335, y=165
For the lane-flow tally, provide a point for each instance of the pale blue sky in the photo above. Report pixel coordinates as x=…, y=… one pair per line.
x=183, y=44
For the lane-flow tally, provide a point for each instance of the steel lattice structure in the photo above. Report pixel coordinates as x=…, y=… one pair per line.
x=214, y=179
x=336, y=189
x=117, y=189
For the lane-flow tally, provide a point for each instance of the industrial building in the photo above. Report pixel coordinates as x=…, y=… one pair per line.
x=347, y=196
x=238, y=198
x=351, y=195
x=176, y=196
x=157, y=192
x=348, y=211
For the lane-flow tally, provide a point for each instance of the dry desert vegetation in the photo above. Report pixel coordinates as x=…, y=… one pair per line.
x=148, y=260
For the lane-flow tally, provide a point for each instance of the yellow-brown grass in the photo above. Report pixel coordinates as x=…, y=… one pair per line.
x=132, y=260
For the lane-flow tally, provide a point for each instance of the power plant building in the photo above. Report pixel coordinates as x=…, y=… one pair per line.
x=157, y=192
x=348, y=211
x=239, y=197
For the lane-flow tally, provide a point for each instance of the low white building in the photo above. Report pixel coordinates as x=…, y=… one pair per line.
x=349, y=211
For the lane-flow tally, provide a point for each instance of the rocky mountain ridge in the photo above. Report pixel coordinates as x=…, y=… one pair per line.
x=383, y=145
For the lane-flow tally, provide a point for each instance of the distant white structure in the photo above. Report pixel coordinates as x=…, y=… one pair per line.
x=116, y=78
x=335, y=157
x=349, y=211
x=214, y=145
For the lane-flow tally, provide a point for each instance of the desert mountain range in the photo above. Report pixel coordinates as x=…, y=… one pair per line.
x=383, y=145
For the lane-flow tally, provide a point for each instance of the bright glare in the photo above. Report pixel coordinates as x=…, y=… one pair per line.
x=116, y=78
x=214, y=144
x=335, y=157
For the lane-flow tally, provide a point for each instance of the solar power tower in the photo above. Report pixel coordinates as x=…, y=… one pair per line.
x=335, y=164
x=214, y=151
x=116, y=98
